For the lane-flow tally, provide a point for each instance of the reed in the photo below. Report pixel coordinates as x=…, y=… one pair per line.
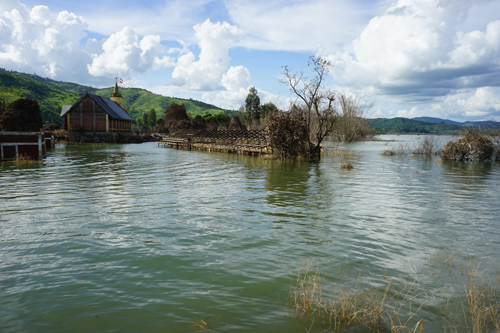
x=388, y=308
x=353, y=304
x=482, y=307
x=305, y=297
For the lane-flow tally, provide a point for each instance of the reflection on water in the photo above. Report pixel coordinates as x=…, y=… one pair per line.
x=140, y=238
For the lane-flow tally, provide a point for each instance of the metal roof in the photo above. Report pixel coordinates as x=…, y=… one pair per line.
x=109, y=106
x=65, y=109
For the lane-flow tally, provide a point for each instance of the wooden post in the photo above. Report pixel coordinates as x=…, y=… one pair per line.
x=81, y=114
x=40, y=151
x=93, y=114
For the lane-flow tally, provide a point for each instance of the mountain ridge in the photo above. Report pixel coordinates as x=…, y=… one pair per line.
x=51, y=95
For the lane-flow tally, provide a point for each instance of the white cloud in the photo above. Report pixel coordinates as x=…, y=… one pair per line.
x=300, y=25
x=124, y=54
x=464, y=104
x=416, y=52
x=236, y=83
x=214, y=40
x=477, y=47
x=36, y=41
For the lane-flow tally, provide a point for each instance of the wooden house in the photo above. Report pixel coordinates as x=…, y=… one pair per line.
x=96, y=114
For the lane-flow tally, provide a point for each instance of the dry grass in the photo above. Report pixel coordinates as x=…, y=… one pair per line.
x=60, y=135
x=389, y=308
x=482, y=309
x=427, y=147
x=306, y=298
x=394, y=307
x=25, y=160
x=338, y=152
x=446, y=256
x=346, y=165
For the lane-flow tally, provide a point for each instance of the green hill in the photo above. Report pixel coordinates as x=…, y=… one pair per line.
x=405, y=125
x=52, y=95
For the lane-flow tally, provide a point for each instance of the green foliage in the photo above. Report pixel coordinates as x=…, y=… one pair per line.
x=252, y=105
x=52, y=95
x=267, y=109
x=407, y=126
x=152, y=118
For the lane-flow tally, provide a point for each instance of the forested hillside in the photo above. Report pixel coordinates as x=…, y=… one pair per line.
x=52, y=95
x=405, y=125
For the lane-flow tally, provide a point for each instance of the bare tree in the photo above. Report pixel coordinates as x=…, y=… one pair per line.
x=351, y=123
x=315, y=102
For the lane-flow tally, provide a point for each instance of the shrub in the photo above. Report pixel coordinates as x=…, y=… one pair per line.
x=287, y=135
x=471, y=146
x=176, y=112
x=22, y=115
x=236, y=124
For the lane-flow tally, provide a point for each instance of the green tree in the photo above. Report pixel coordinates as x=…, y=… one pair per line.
x=140, y=124
x=252, y=106
x=267, y=109
x=152, y=118
x=145, y=119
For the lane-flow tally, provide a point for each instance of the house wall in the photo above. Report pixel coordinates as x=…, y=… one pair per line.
x=86, y=117
x=30, y=144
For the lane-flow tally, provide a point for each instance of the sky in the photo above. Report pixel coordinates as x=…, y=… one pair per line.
x=406, y=58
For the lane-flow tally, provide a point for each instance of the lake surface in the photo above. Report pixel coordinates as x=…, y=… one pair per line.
x=129, y=238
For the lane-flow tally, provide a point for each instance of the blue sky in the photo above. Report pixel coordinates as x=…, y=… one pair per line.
x=409, y=58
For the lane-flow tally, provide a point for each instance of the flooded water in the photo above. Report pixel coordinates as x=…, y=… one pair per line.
x=136, y=238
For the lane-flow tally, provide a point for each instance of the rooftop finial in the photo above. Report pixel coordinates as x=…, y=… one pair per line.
x=116, y=92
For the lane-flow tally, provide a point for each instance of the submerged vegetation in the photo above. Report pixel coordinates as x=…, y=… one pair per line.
x=394, y=303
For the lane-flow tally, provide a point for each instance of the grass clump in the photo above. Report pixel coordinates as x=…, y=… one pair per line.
x=25, y=160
